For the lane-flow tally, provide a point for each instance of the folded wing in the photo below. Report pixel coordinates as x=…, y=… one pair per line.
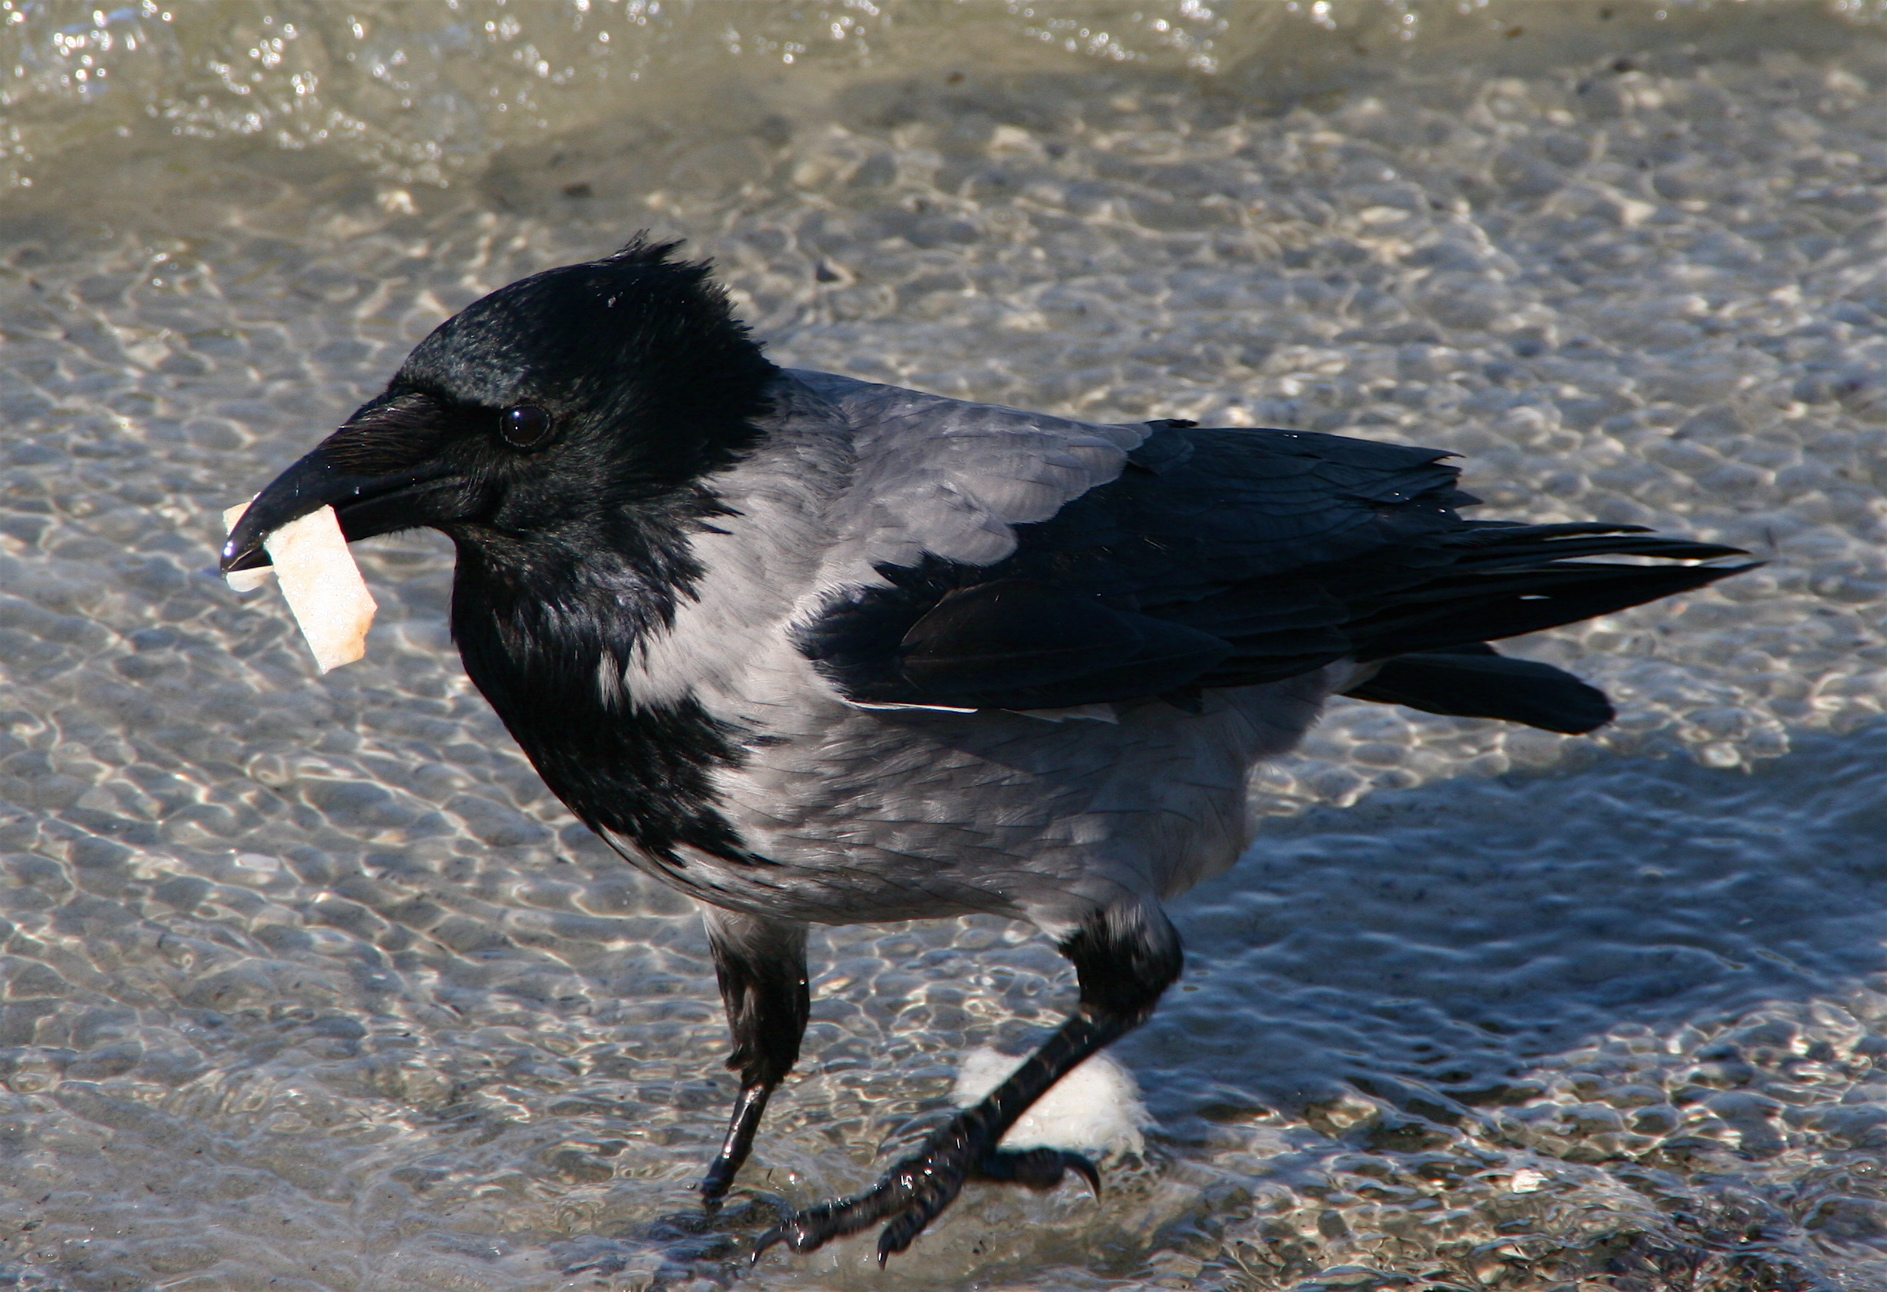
x=1229, y=557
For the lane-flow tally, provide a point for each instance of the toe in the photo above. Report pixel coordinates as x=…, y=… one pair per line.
x=903, y=1231
x=1037, y=1168
x=813, y=1228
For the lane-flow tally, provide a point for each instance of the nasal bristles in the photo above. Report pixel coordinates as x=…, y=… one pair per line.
x=395, y=435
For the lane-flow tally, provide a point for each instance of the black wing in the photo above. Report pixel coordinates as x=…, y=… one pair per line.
x=1230, y=557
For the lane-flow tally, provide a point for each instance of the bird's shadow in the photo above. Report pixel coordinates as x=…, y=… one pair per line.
x=1536, y=943
x=1438, y=931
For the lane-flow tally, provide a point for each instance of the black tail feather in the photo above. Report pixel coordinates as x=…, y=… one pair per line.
x=1460, y=607
x=1483, y=684
x=1431, y=631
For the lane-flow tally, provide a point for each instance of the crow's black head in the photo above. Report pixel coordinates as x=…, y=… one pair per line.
x=560, y=430
x=545, y=405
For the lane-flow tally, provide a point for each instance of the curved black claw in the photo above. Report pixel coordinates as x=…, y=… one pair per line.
x=917, y=1190
x=765, y=1241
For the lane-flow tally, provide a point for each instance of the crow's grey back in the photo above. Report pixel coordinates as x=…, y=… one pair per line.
x=940, y=477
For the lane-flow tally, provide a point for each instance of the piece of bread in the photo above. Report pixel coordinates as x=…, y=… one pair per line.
x=323, y=585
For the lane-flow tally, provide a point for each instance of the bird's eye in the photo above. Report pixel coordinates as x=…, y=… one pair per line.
x=524, y=427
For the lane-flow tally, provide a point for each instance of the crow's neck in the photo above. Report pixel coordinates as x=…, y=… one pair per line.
x=541, y=623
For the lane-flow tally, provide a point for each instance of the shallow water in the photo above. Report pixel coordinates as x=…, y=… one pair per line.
x=309, y=984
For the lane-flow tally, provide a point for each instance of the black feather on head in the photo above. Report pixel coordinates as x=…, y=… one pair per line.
x=647, y=378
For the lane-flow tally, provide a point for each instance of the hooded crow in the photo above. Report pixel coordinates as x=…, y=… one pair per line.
x=819, y=651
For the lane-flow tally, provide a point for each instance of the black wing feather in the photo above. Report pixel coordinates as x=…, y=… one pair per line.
x=1230, y=557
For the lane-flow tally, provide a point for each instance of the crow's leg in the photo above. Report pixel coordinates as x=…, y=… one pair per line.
x=761, y=965
x=1125, y=957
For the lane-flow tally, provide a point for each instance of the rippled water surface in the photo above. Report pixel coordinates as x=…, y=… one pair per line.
x=308, y=983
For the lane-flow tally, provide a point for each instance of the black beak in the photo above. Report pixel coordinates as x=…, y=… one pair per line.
x=366, y=504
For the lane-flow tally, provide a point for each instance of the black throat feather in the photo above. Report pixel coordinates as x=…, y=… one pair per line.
x=545, y=628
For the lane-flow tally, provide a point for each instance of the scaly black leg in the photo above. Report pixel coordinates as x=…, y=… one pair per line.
x=761, y=965
x=1125, y=958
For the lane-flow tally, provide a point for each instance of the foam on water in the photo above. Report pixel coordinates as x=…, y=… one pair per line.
x=1094, y=1109
x=308, y=983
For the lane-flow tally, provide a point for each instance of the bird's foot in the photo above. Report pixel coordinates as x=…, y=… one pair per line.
x=713, y=1187
x=915, y=1191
